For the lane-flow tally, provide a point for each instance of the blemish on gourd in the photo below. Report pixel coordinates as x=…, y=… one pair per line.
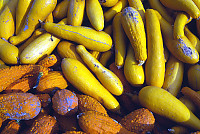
x=186, y=50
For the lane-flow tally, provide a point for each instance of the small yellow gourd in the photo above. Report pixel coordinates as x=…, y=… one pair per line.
x=168, y=106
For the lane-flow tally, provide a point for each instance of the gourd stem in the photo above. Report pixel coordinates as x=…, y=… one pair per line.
x=38, y=80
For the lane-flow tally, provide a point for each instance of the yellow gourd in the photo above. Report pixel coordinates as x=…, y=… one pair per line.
x=165, y=104
x=105, y=57
x=61, y=9
x=181, y=20
x=134, y=28
x=8, y=52
x=156, y=5
x=107, y=78
x=3, y=4
x=155, y=64
x=90, y=38
x=40, y=47
x=21, y=13
x=95, y=14
x=118, y=7
x=39, y=11
x=108, y=3
x=75, y=12
x=193, y=39
x=181, y=48
x=183, y=5
x=133, y=72
x=193, y=75
x=81, y=78
x=173, y=75
x=120, y=41
x=7, y=20
x=138, y=5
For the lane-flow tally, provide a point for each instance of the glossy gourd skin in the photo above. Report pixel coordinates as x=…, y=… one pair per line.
x=107, y=78
x=133, y=72
x=90, y=38
x=155, y=64
x=168, y=106
x=95, y=14
x=81, y=78
x=75, y=12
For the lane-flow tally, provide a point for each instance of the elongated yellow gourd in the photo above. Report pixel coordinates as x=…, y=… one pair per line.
x=40, y=47
x=183, y=5
x=22, y=10
x=138, y=5
x=7, y=20
x=165, y=104
x=181, y=48
x=156, y=5
x=8, y=52
x=193, y=39
x=107, y=78
x=3, y=4
x=155, y=64
x=61, y=9
x=95, y=14
x=105, y=57
x=193, y=75
x=118, y=7
x=81, y=78
x=39, y=11
x=133, y=72
x=173, y=75
x=134, y=28
x=108, y=3
x=181, y=20
x=120, y=41
x=90, y=38
x=75, y=12
x=95, y=54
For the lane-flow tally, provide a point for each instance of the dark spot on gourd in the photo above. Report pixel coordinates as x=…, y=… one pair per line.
x=51, y=38
x=102, y=1
x=186, y=50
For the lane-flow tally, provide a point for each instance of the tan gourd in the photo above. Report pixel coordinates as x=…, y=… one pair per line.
x=75, y=12
x=193, y=75
x=133, y=72
x=155, y=64
x=81, y=78
x=169, y=106
x=107, y=78
x=39, y=11
x=134, y=28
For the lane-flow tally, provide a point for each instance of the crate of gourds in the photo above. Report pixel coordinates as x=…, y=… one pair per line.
x=99, y=66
